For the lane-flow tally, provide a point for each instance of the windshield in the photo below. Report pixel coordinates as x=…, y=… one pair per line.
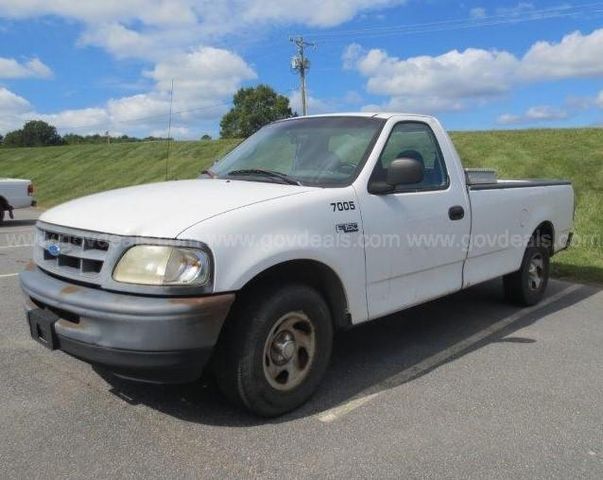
x=320, y=151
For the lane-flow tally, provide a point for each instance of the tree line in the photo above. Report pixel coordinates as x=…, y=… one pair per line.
x=253, y=107
x=37, y=133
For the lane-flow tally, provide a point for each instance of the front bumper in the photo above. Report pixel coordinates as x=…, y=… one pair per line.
x=161, y=339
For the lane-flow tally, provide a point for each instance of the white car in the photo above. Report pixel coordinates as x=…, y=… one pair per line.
x=15, y=193
x=311, y=225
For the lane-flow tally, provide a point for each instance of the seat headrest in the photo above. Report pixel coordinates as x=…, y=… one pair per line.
x=411, y=154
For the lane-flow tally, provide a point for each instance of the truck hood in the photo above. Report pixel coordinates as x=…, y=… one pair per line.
x=163, y=210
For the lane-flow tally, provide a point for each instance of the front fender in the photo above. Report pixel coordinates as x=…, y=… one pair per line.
x=253, y=239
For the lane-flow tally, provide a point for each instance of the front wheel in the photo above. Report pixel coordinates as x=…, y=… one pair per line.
x=527, y=286
x=275, y=349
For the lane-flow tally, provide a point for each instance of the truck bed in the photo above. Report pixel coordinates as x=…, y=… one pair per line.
x=504, y=216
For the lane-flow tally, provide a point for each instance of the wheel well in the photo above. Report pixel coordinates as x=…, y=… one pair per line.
x=544, y=236
x=312, y=273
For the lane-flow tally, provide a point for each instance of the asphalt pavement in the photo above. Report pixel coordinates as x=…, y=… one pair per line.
x=463, y=387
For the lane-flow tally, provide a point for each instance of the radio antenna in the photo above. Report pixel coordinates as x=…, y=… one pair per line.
x=169, y=132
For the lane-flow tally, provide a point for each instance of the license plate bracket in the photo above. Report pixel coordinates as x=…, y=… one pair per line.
x=41, y=327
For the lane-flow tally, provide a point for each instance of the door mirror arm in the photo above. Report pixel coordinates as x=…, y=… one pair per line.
x=380, y=188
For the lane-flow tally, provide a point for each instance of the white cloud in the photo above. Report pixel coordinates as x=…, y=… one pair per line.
x=577, y=55
x=424, y=105
x=120, y=41
x=316, y=106
x=353, y=97
x=457, y=79
x=520, y=9
x=150, y=12
x=16, y=110
x=541, y=113
x=154, y=29
x=11, y=68
x=600, y=99
x=545, y=113
x=477, y=12
x=430, y=84
x=13, y=107
x=161, y=32
x=318, y=13
x=68, y=118
x=11, y=103
x=144, y=106
x=515, y=11
x=579, y=102
x=473, y=72
x=204, y=81
x=173, y=133
x=508, y=119
x=207, y=72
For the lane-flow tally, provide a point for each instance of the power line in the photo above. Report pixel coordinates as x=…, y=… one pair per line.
x=301, y=64
x=148, y=117
x=458, y=24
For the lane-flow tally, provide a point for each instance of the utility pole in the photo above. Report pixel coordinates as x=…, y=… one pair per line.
x=301, y=64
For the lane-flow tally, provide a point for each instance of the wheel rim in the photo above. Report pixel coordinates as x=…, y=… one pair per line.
x=289, y=351
x=536, y=271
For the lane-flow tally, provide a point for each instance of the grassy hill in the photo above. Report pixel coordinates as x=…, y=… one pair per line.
x=62, y=173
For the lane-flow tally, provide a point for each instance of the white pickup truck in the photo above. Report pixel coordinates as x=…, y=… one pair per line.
x=15, y=193
x=311, y=225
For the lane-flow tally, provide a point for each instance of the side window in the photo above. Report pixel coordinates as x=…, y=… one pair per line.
x=414, y=140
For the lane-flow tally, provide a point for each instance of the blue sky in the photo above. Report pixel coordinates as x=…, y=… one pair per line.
x=89, y=67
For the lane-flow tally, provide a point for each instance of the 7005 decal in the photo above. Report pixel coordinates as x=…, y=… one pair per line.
x=343, y=206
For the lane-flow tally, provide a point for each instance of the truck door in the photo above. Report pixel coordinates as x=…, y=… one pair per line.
x=415, y=235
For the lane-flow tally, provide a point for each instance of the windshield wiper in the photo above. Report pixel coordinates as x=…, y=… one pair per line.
x=266, y=173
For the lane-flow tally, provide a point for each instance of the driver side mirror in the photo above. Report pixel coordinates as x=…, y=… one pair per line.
x=402, y=171
x=405, y=171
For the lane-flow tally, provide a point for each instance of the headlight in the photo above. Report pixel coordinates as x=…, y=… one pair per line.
x=163, y=265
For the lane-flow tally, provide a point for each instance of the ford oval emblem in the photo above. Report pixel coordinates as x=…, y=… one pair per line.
x=54, y=249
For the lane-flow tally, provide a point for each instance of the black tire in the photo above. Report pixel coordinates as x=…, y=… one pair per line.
x=245, y=355
x=2, y=213
x=522, y=287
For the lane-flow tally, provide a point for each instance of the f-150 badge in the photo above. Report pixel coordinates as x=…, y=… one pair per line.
x=346, y=227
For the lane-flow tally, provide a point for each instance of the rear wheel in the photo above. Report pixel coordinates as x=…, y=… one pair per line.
x=275, y=349
x=2, y=213
x=528, y=285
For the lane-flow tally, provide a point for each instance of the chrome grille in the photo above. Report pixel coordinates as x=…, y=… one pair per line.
x=70, y=253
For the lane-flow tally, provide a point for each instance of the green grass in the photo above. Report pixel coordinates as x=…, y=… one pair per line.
x=63, y=173
x=574, y=154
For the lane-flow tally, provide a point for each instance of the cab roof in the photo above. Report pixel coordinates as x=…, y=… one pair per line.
x=384, y=115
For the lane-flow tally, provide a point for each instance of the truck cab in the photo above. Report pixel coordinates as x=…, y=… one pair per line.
x=311, y=225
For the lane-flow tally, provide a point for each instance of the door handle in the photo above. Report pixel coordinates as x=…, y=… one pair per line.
x=456, y=213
